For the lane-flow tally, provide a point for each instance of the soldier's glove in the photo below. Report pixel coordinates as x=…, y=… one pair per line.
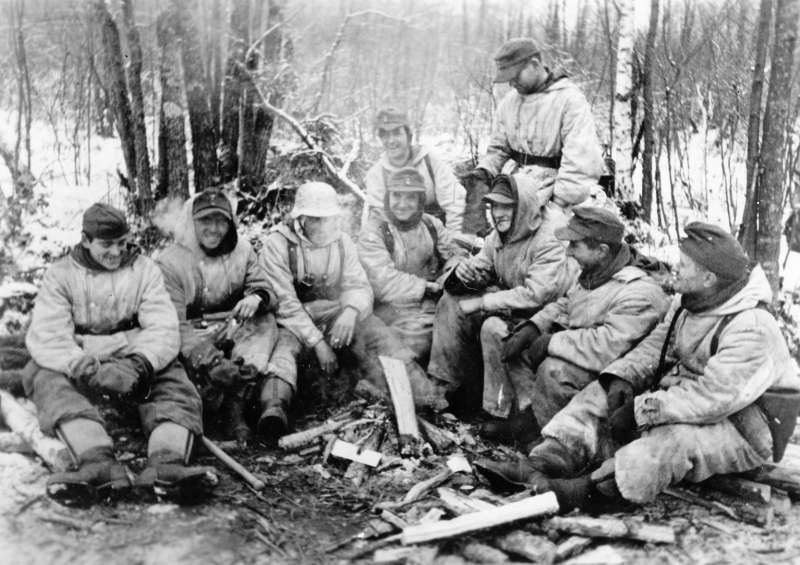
x=618, y=391
x=123, y=376
x=622, y=423
x=224, y=374
x=519, y=338
x=203, y=356
x=537, y=351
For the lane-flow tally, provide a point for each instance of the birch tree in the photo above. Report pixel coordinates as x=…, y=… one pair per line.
x=622, y=132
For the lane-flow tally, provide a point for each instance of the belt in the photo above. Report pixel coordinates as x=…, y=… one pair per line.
x=525, y=159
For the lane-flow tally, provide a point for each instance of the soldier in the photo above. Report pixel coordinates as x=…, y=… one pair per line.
x=103, y=324
x=521, y=267
x=711, y=390
x=563, y=347
x=444, y=196
x=404, y=256
x=545, y=125
x=224, y=303
x=324, y=305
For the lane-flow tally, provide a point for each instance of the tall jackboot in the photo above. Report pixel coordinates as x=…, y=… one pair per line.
x=519, y=430
x=168, y=474
x=276, y=396
x=98, y=476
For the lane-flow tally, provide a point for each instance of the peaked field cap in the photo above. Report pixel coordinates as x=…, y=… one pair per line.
x=316, y=199
x=512, y=56
x=501, y=192
x=391, y=118
x=209, y=202
x=104, y=221
x=406, y=180
x=592, y=222
x=715, y=249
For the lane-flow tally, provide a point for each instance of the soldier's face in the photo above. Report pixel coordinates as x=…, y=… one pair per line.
x=586, y=256
x=530, y=78
x=404, y=204
x=503, y=215
x=691, y=278
x=211, y=229
x=396, y=144
x=321, y=231
x=107, y=252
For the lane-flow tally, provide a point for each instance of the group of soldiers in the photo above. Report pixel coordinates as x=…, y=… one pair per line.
x=555, y=327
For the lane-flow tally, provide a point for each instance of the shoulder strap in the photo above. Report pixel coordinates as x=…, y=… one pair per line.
x=291, y=247
x=429, y=166
x=434, y=236
x=723, y=323
x=663, y=356
x=341, y=260
x=388, y=238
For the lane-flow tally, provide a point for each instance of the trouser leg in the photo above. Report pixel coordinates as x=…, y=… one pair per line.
x=556, y=382
x=172, y=398
x=455, y=347
x=506, y=386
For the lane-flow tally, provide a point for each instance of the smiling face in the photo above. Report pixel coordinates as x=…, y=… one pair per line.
x=502, y=215
x=211, y=229
x=404, y=204
x=397, y=144
x=107, y=252
x=530, y=78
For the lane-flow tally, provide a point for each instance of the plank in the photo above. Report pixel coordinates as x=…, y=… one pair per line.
x=402, y=398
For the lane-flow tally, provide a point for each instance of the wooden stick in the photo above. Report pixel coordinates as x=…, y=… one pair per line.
x=233, y=465
x=441, y=440
x=692, y=498
x=756, y=513
x=299, y=439
x=52, y=451
x=612, y=528
x=736, y=486
x=460, y=504
x=572, y=546
x=529, y=508
x=418, y=490
x=402, y=398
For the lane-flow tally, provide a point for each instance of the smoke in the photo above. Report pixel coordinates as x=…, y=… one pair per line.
x=168, y=215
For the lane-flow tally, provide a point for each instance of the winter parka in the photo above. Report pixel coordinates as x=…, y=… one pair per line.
x=555, y=122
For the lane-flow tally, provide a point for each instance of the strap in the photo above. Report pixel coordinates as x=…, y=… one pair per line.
x=427, y=160
x=524, y=159
x=723, y=323
x=428, y=221
x=388, y=238
x=663, y=356
x=291, y=247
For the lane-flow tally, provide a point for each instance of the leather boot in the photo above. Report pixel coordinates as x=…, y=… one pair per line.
x=550, y=459
x=99, y=478
x=519, y=430
x=586, y=494
x=233, y=420
x=276, y=396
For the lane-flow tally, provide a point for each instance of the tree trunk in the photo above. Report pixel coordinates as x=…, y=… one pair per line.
x=143, y=175
x=647, y=92
x=747, y=233
x=173, y=168
x=204, y=154
x=113, y=72
x=772, y=174
x=623, y=122
x=232, y=87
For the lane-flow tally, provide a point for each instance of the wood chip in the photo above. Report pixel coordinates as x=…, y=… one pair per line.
x=538, y=549
x=350, y=451
x=612, y=528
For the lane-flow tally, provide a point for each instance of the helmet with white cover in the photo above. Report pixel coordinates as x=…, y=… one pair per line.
x=317, y=199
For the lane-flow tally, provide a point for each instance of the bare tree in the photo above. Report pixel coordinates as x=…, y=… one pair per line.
x=648, y=125
x=623, y=120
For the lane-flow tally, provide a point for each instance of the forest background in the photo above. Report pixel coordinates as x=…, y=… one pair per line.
x=140, y=102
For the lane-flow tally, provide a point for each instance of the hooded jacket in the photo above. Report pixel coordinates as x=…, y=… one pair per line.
x=699, y=388
x=346, y=272
x=399, y=277
x=81, y=311
x=604, y=323
x=201, y=284
x=528, y=264
x=556, y=121
x=443, y=188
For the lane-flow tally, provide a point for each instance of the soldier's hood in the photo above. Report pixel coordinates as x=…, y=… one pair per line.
x=185, y=233
x=757, y=290
x=528, y=211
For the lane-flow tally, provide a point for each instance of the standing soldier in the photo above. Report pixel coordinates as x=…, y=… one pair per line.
x=103, y=324
x=216, y=282
x=404, y=256
x=545, y=125
x=444, y=196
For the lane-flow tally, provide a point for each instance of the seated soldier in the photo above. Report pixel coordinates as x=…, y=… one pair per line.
x=212, y=274
x=403, y=256
x=444, y=196
x=521, y=268
x=711, y=390
x=325, y=305
x=103, y=324
x=609, y=309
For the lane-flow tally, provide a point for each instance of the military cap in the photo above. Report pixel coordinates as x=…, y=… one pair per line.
x=592, y=222
x=512, y=56
x=715, y=249
x=104, y=221
x=406, y=180
x=502, y=192
x=209, y=202
x=391, y=118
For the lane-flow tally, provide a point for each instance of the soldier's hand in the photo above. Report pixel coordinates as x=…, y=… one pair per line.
x=433, y=290
x=467, y=273
x=620, y=392
x=120, y=376
x=247, y=307
x=537, y=351
x=84, y=367
x=341, y=333
x=623, y=423
x=520, y=338
x=326, y=357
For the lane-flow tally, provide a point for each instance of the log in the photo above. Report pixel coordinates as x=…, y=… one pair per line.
x=532, y=507
x=572, y=546
x=52, y=451
x=459, y=504
x=440, y=439
x=402, y=398
x=356, y=472
x=742, y=488
x=612, y=528
x=300, y=439
x=756, y=513
x=537, y=549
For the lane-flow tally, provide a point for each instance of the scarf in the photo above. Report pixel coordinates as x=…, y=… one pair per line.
x=591, y=279
x=707, y=301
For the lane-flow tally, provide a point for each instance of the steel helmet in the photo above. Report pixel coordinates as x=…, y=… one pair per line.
x=317, y=199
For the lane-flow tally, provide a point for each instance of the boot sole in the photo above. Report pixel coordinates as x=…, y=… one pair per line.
x=84, y=495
